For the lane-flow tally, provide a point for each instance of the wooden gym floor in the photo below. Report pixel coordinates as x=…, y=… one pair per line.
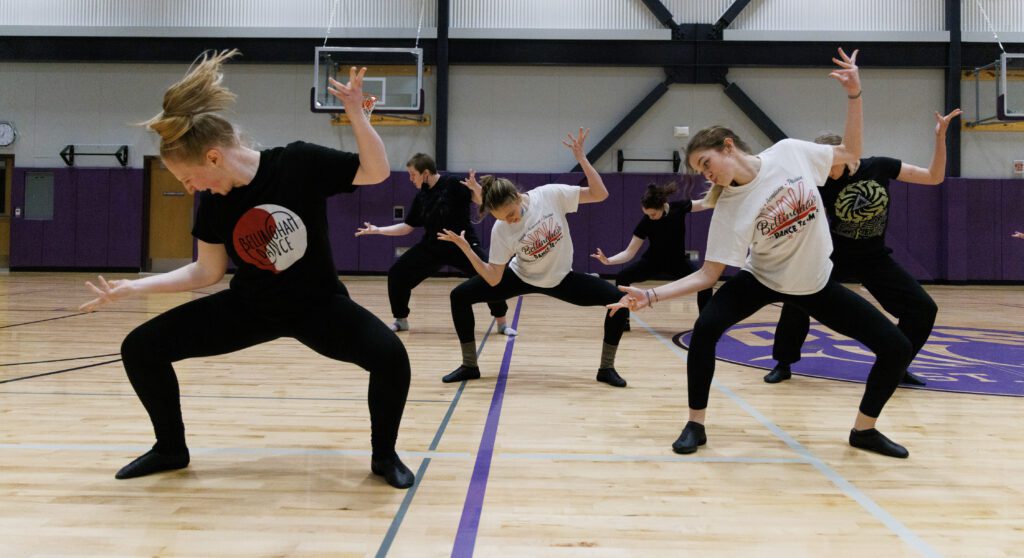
x=546, y=462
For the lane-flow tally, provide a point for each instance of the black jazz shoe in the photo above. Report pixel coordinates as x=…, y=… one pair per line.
x=778, y=374
x=692, y=436
x=610, y=377
x=462, y=373
x=873, y=440
x=394, y=471
x=153, y=462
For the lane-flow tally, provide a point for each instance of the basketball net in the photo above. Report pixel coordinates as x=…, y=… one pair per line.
x=369, y=101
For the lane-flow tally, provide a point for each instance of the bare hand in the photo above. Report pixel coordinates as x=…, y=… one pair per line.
x=108, y=291
x=367, y=228
x=576, y=144
x=599, y=256
x=942, y=122
x=471, y=182
x=458, y=239
x=634, y=300
x=849, y=75
x=1017, y=234
x=351, y=95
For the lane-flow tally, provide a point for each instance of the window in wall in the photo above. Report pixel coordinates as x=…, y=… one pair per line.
x=39, y=196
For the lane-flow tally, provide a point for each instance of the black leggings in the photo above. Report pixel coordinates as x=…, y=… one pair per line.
x=835, y=306
x=898, y=293
x=673, y=269
x=337, y=328
x=423, y=260
x=576, y=288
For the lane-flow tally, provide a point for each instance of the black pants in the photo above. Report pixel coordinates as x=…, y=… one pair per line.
x=336, y=327
x=645, y=269
x=423, y=260
x=898, y=293
x=834, y=306
x=577, y=288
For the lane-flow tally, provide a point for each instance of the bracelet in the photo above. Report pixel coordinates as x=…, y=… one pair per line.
x=655, y=293
x=857, y=96
x=650, y=297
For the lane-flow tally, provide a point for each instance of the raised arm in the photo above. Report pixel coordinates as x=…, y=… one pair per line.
x=400, y=229
x=476, y=191
x=699, y=205
x=622, y=257
x=595, y=190
x=848, y=76
x=936, y=172
x=208, y=268
x=703, y=278
x=490, y=272
x=373, y=158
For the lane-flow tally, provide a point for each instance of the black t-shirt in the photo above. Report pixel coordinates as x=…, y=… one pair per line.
x=275, y=228
x=445, y=205
x=858, y=207
x=668, y=234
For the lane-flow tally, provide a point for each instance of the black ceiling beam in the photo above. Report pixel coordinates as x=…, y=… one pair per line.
x=626, y=123
x=953, y=78
x=441, y=91
x=728, y=17
x=691, y=52
x=664, y=16
x=754, y=113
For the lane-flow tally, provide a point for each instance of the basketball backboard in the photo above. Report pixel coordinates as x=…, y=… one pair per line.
x=394, y=76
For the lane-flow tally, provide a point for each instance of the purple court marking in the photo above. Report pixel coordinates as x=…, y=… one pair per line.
x=955, y=359
x=465, y=539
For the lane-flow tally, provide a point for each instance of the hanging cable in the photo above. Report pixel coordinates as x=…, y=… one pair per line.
x=990, y=26
x=330, y=22
x=419, y=26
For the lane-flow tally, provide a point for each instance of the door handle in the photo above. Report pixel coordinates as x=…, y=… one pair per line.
x=174, y=194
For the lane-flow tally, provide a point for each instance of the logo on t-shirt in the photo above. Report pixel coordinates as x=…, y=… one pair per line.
x=541, y=239
x=787, y=210
x=861, y=210
x=270, y=237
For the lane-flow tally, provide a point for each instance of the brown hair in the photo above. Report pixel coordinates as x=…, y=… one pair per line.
x=497, y=192
x=713, y=138
x=829, y=138
x=655, y=197
x=422, y=162
x=187, y=125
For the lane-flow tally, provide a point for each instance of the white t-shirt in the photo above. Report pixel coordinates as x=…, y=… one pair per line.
x=540, y=241
x=775, y=226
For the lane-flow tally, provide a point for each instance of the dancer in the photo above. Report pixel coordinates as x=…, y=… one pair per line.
x=768, y=220
x=856, y=198
x=532, y=231
x=664, y=225
x=266, y=211
x=441, y=203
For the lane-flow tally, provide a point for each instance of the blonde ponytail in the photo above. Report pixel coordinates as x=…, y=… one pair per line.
x=187, y=125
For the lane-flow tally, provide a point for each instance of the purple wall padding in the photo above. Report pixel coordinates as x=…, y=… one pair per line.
x=342, y=221
x=124, y=227
x=92, y=216
x=1011, y=250
x=958, y=231
x=376, y=252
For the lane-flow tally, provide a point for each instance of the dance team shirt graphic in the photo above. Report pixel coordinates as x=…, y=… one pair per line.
x=958, y=359
x=540, y=240
x=787, y=211
x=270, y=237
x=861, y=210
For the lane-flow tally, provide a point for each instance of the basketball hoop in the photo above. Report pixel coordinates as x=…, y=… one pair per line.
x=369, y=102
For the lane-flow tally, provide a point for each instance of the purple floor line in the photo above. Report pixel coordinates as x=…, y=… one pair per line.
x=465, y=539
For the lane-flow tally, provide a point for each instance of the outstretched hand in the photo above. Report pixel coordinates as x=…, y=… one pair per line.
x=848, y=75
x=1017, y=234
x=634, y=300
x=457, y=239
x=942, y=122
x=576, y=143
x=351, y=94
x=107, y=291
x=471, y=182
x=599, y=256
x=367, y=228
